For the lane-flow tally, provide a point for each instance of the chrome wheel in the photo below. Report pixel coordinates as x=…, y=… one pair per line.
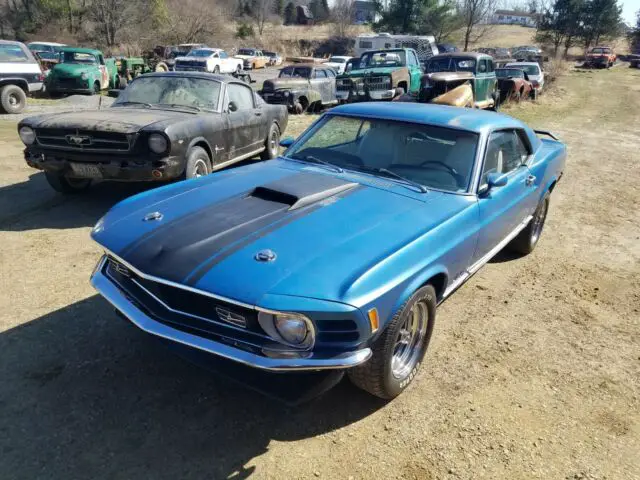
x=200, y=169
x=273, y=143
x=14, y=100
x=408, y=345
x=538, y=221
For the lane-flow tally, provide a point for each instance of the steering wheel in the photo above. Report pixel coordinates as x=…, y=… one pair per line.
x=453, y=171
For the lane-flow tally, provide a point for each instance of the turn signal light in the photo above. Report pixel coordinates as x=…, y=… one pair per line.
x=373, y=320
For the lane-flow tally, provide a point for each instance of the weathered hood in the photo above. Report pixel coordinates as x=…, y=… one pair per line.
x=118, y=119
x=328, y=231
x=70, y=69
x=278, y=83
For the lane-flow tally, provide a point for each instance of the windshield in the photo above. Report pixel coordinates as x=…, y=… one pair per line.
x=12, y=53
x=176, y=91
x=295, y=72
x=246, y=51
x=337, y=60
x=509, y=73
x=529, y=69
x=448, y=64
x=200, y=53
x=78, y=57
x=601, y=50
x=434, y=157
x=383, y=59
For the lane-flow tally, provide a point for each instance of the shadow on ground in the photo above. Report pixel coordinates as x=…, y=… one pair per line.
x=86, y=395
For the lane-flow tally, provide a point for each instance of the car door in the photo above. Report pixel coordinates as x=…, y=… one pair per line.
x=503, y=209
x=245, y=120
x=331, y=86
x=480, y=82
x=317, y=81
x=492, y=80
x=225, y=64
x=415, y=73
x=104, y=75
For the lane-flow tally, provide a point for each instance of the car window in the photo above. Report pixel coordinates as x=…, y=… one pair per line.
x=412, y=55
x=432, y=156
x=12, y=53
x=295, y=72
x=224, y=55
x=482, y=67
x=320, y=74
x=383, y=59
x=490, y=66
x=167, y=90
x=330, y=73
x=505, y=152
x=79, y=57
x=241, y=95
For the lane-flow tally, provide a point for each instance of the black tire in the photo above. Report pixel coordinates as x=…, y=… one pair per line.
x=238, y=69
x=300, y=106
x=377, y=376
x=122, y=82
x=271, y=143
x=63, y=184
x=496, y=101
x=96, y=88
x=399, y=93
x=198, y=163
x=12, y=99
x=528, y=238
x=161, y=67
x=216, y=69
x=534, y=94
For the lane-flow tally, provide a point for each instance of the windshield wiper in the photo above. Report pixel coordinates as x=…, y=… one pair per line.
x=177, y=105
x=127, y=102
x=389, y=173
x=311, y=158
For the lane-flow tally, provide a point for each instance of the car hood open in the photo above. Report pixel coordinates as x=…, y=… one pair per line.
x=328, y=232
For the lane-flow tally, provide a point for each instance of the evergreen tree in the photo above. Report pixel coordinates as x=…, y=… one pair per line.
x=290, y=14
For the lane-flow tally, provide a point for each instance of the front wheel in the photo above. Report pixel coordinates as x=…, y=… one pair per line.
x=198, y=163
x=528, y=238
x=63, y=184
x=271, y=143
x=398, y=352
x=12, y=99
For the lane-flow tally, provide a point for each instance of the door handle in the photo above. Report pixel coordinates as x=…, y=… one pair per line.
x=218, y=149
x=530, y=179
x=258, y=114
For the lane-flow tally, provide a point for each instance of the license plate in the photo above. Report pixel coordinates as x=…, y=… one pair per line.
x=86, y=171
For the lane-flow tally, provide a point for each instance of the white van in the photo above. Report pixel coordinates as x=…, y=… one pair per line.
x=424, y=45
x=20, y=74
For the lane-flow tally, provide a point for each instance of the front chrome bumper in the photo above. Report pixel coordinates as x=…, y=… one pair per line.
x=312, y=361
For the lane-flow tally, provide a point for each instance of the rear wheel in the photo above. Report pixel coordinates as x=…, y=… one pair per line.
x=398, y=352
x=271, y=143
x=534, y=94
x=96, y=88
x=216, y=69
x=528, y=238
x=12, y=99
x=63, y=184
x=198, y=163
x=161, y=67
x=301, y=105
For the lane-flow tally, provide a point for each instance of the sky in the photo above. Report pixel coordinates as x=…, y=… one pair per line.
x=629, y=9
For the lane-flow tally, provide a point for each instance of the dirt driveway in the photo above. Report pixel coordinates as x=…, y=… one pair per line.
x=533, y=372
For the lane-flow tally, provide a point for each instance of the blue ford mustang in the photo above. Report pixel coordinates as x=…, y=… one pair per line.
x=336, y=254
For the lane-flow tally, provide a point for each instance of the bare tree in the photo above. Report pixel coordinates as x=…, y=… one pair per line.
x=342, y=13
x=110, y=17
x=261, y=10
x=476, y=15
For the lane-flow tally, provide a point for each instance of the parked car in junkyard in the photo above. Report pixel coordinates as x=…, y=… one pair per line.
x=82, y=70
x=600, y=57
x=212, y=60
x=252, y=58
x=47, y=50
x=514, y=85
x=534, y=73
x=381, y=75
x=337, y=254
x=447, y=48
x=275, y=59
x=338, y=63
x=464, y=79
x=162, y=58
x=163, y=126
x=20, y=75
x=301, y=87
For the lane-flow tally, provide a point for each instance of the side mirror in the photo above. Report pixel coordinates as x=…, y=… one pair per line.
x=233, y=107
x=493, y=180
x=287, y=142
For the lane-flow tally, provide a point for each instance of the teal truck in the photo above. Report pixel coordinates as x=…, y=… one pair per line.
x=82, y=70
x=381, y=75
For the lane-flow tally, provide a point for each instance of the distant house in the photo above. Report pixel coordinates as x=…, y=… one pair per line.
x=364, y=11
x=304, y=15
x=512, y=17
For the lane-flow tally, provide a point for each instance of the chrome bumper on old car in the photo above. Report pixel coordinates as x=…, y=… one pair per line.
x=267, y=359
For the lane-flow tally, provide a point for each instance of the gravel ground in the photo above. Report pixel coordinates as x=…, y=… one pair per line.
x=533, y=370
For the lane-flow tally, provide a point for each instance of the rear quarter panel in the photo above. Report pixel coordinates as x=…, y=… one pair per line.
x=548, y=164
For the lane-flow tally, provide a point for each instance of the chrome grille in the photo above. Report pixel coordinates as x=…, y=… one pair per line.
x=79, y=140
x=378, y=83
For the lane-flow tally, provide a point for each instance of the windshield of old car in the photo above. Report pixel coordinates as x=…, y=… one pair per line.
x=79, y=57
x=383, y=59
x=530, y=69
x=449, y=64
x=601, y=50
x=337, y=60
x=509, y=73
x=246, y=51
x=295, y=72
x=200, y=53
x=432, y=156
x=12, y=53
x=269, y=54
x=171, y=92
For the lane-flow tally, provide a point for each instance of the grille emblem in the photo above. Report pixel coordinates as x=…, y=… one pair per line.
x=231, y=317
x=265, y=256
x=149, y=217
x=79, y=140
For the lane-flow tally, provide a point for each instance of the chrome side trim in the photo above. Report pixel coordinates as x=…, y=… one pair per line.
x=237, y=159
x=311, y=362
x=488, y=256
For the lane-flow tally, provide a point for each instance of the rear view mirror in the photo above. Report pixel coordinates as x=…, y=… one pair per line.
x=286, y=142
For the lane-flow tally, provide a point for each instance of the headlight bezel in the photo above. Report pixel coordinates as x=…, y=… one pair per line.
x=159, y=137
x=31, y=132
x=268, y=321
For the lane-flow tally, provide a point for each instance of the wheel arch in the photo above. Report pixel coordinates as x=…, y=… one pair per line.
x=18, y=82
x=202, y=143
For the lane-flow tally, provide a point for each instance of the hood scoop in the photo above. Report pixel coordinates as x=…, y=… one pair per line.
x=301, y=189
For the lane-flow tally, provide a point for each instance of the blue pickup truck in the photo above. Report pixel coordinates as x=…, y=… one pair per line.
x=336, y=254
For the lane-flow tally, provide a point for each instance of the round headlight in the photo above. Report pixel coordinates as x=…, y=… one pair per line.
x=291, y=328
x=83, y=76
x=27, y=135
x=286, y=93
x=157, y=143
